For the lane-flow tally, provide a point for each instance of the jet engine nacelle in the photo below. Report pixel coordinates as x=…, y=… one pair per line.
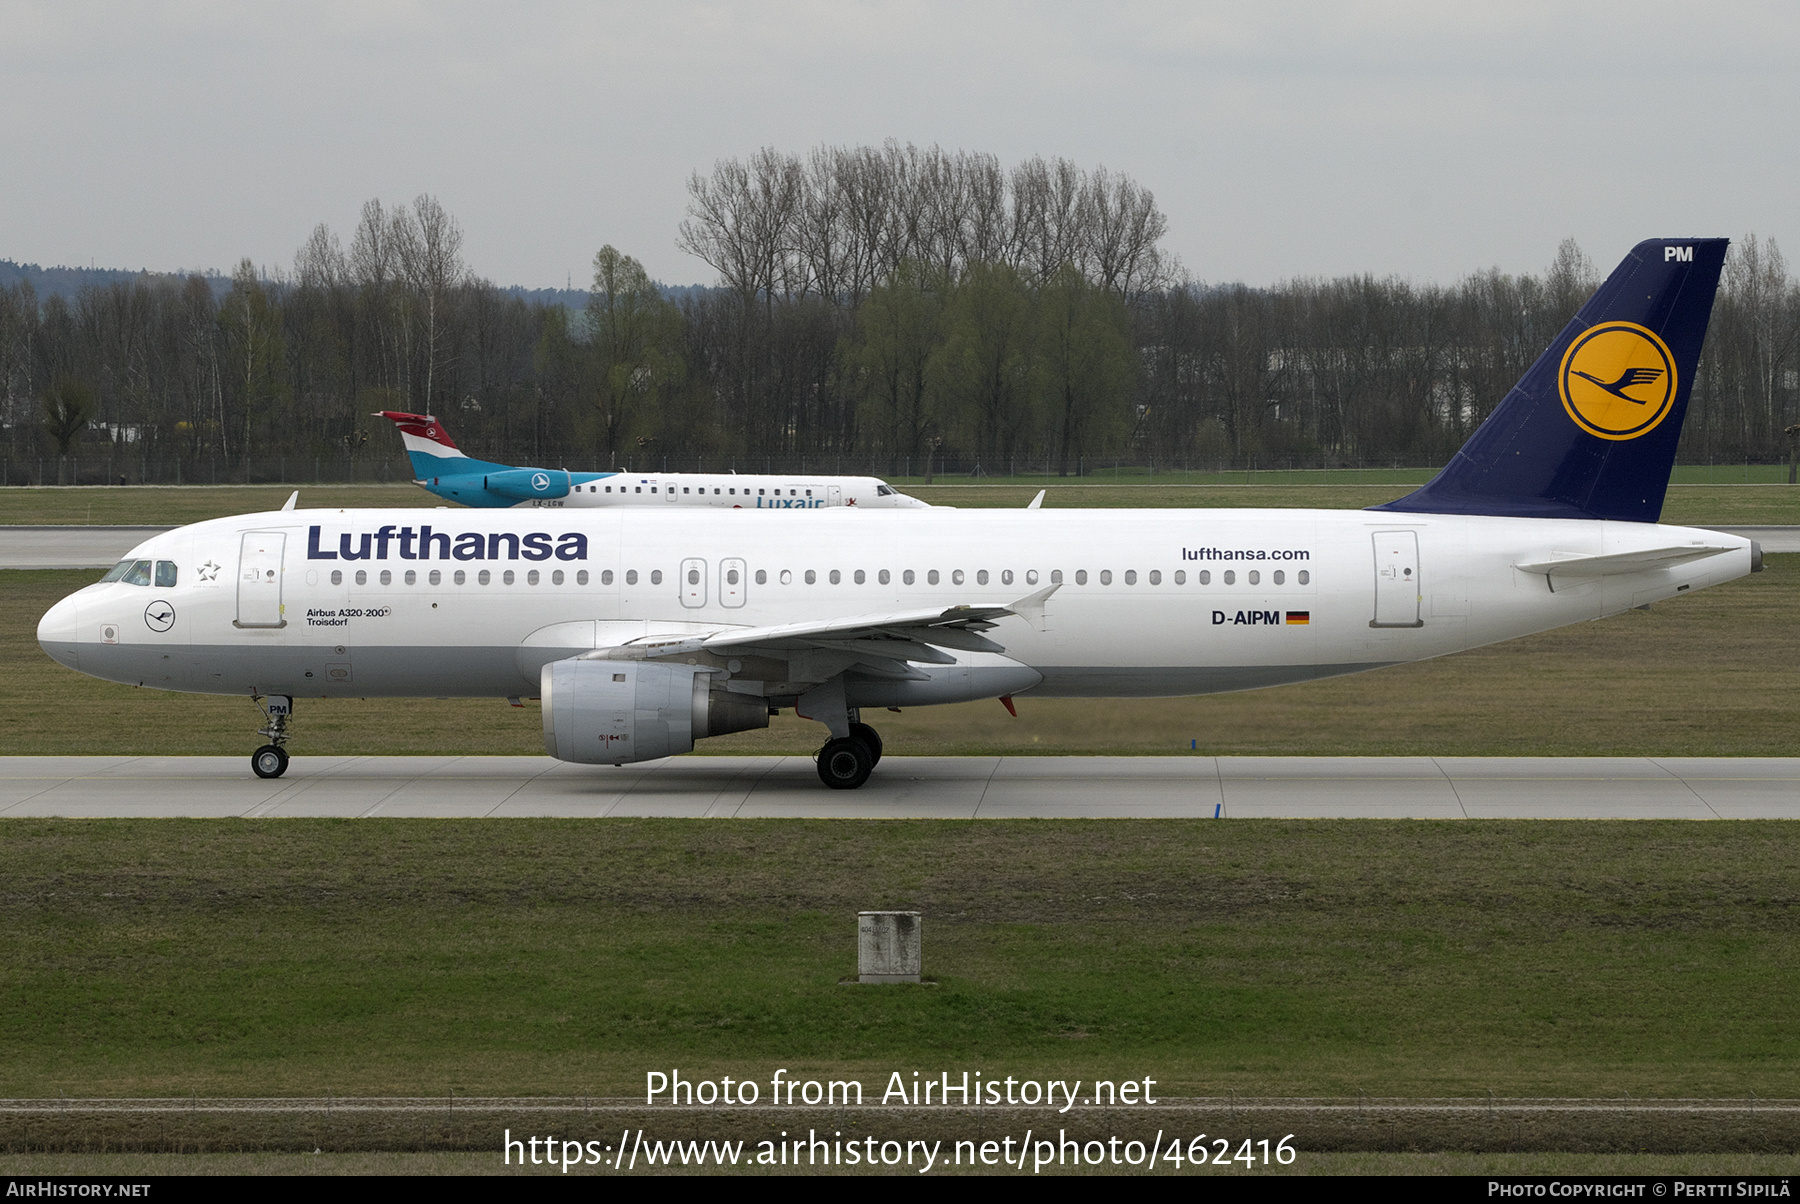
x=613, y=712
x=525, y=484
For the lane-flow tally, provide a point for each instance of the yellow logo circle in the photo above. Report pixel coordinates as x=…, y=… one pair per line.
x=1617, y=380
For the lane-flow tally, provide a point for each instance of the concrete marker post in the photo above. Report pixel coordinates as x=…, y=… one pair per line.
x=888, y=947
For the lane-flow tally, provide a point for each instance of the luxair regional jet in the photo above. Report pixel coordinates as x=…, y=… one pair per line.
x=442, y=468
x=645, y=630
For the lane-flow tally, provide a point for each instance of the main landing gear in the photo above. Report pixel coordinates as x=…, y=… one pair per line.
x=845, y=763
x=271, y=760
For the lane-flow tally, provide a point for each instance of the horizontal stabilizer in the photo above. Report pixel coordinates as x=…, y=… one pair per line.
x=1618, y=563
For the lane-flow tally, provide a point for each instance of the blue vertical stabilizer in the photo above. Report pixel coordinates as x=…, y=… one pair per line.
x=1590, y=430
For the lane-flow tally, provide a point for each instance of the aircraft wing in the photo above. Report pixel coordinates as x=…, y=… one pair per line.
x=907, y=635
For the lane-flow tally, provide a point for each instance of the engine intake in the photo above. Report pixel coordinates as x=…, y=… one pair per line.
x=615, y=712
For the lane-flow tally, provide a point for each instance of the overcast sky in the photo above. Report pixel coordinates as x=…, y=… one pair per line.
x=1425, y=140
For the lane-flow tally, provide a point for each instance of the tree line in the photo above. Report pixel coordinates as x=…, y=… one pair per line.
x=893, y=309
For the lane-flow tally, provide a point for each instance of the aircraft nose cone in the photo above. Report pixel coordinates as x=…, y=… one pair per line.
x=59, y=633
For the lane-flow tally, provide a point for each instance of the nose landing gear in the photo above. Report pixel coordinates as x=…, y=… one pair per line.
x=271, y=760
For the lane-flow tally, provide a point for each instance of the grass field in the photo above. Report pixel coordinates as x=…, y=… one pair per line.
x=1711, y=674
x=369, y=957
x=1697, y=503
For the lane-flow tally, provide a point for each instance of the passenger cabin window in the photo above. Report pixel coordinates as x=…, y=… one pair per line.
x=907, y=576
x=531, y=578
x=1080, y=576
x=581, y=577
x=1255, y=577
x=387, y=577
x=1055, y=577
x=1280, y=577
x=655, y=576
x=506, y=578
x=931, y=578
x=861, y=576
x=1031, y=577
x=1230, y=577
x=362, y=578
x=811, y=577
x=412, y=577
x=630, y=576
x=1305, y=577
x=484, y=577
x=337, y=576
x=437, y=578
x=762, y=576
x=981, y=578
x=605, y=576
x=882, y=577
x=1205, y=577
x=459, y=577
x=956, y=577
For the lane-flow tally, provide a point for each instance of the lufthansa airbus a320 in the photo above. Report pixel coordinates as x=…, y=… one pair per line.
x=644, y=630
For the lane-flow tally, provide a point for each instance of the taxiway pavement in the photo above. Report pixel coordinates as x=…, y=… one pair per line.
x=914, y=788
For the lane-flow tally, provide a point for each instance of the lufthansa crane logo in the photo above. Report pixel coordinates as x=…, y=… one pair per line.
x=159, y=616
x=1617, y=380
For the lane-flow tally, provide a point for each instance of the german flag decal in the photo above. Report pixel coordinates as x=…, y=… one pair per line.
x=1299, y=618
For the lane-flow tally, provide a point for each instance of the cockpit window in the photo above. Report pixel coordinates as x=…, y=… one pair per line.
x=137, y=574
x=883, y=491
x=165, y=574
x=117, y=571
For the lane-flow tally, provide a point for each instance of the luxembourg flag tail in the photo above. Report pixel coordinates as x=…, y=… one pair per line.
x=431, y=450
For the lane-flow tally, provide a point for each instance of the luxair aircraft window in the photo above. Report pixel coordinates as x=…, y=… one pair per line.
x=932, y=577
x=581, y=577
x=1180, y=576
x=1305, y=577
x=609, y=489
x=630, y=576
x=652, y=489
x=956, y=577
x=1130, y=576
x=1055, y=577
x=1230, y=577
x=362, y=578
x=685, y=489
x=787, y=576
x=759, y=492
x=138, y=573
x=1155, y=576
x=484, y=577
x=116, y=572
x=605, y=576
x=1080, y=576
x=640, y=489
x=387, y=577
x=1205, y=577
x=1255, y=577
x=884, y=576
x=655, y=576
x=762, y=576
x=883, y=491
x=907, y=576
x=165, y=574
x=437, y=578
x=981, y=577
x=812, y=578
x=531, y=578
x=1005, y=576
x=837, y=578
x=861, y=576
x=733, y=492
x=556, y=578
x=1105, y=576
x=1280, y=577
x=337, y=576
x=506, y=578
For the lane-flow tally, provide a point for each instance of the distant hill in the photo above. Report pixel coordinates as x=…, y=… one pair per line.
x=66, y=282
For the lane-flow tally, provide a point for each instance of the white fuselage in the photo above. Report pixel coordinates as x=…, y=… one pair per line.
x=1151, y=602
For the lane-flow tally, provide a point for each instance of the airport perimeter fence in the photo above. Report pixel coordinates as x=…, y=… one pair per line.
x=120, y=467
